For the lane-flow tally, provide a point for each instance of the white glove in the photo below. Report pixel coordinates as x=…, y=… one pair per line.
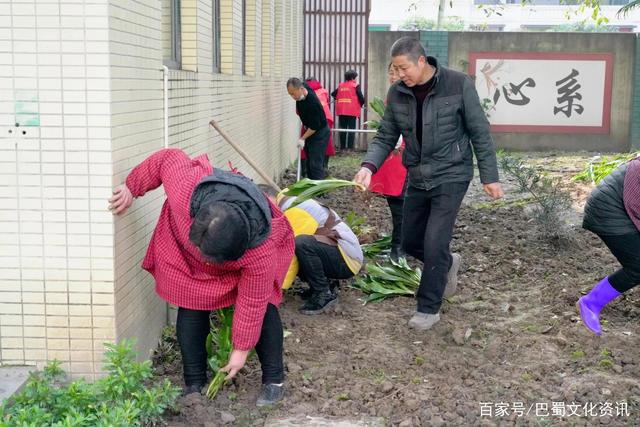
x=301, y=143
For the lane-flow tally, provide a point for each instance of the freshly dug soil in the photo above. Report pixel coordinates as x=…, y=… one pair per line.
x=510, y=338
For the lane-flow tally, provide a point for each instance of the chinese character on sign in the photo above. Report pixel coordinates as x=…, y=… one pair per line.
x=606, y=408
x=542, y=409
x=622, y=409
x=502, y=409
x=568, y=92
x=514, y=94
x=516, y=90
x=486, y=409
x=557, y=409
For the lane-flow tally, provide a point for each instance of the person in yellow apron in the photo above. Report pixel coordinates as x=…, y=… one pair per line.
x=327, y=250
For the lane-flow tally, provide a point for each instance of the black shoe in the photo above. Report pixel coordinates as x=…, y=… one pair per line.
x=396, y=253
x=306, y=294
x=193, y=388
x=319, y=303
x=270, y=395
x=333, y=287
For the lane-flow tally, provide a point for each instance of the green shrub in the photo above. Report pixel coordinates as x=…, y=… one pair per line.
x=552, y=202
x=124, y=397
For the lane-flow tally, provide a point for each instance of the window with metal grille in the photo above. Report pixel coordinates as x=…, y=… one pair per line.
x=244, y=37
x=171, y=34
x=215, y=26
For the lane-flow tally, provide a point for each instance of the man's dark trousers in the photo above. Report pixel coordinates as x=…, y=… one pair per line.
x=319, y=263
x=347, y=138
x=427, y=227
x=315, y=147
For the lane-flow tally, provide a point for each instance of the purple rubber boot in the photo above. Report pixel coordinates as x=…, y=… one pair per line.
x=591, y=304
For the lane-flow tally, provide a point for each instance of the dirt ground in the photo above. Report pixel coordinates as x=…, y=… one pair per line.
x=510, y=339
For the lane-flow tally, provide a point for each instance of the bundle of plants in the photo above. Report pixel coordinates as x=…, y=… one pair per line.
x=378, y=247
x=127, y=396
x=387, y=280
x=219, y=348
x=601, y=166
x=306, y=188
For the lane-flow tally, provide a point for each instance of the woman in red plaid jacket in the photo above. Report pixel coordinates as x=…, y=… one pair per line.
x=218, y=242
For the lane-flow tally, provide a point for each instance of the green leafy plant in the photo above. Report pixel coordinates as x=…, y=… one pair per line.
x=583, y=27
x=380, y=246
x=624, y=10
x=353, y=220
x=377, y=105
x=126, y=396
x=219, y=348
x=357, y=225
x=387, y=280
x=487, y=105
x=417, y=23
x=306, y=189
x=551, y=200
x=600, y=166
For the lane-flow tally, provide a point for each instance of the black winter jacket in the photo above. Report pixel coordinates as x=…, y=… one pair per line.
x=604, y=212
x=453, y=124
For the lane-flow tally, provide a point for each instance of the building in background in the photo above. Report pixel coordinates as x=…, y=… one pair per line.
x=500, y=15
x=81, y=102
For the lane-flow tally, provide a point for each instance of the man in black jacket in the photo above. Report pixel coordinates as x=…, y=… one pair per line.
x=438, y=113
x=315, y=139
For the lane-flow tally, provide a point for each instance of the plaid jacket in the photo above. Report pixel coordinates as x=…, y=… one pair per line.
x=631, y=194
x=183, y=277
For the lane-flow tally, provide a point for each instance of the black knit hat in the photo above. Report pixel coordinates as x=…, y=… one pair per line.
x=221, y=231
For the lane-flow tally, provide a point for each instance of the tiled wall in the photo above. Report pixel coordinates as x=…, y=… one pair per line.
x=255, y=111
x=56, y=236
x=70, y=274
x=437, y=44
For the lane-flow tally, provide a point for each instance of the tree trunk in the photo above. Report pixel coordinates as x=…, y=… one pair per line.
x=441, y=6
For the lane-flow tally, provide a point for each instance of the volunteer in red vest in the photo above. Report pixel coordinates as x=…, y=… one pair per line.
x=389, y=181
x=315, y=139
x=323, y=96
x=218, y=242
x=349, y=102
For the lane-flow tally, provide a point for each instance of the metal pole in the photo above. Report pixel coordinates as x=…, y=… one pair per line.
x=244, y=155
x=355, y=130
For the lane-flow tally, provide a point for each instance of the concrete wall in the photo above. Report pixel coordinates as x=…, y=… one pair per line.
x=87, y=75
x=379, y=47
x=621, y=45
x=625, y=75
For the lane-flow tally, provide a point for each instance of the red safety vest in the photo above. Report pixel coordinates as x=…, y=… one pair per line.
x=347, y=103
x=323, y=96
x=389, y=180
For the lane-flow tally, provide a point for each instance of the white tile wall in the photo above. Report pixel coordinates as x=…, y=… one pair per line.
x=70, y=275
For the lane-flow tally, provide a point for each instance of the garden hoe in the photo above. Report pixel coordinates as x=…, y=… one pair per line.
x=244, y=155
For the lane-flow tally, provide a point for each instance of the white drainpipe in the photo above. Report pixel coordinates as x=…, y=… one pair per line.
x=165, y=89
